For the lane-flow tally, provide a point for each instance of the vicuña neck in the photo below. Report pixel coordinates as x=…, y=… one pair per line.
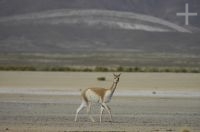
x=113, y=87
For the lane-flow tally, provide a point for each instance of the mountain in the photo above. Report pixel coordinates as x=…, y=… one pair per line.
x=159, y=8
x=103, y=26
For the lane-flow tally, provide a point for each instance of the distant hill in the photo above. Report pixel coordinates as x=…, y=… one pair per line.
x=165, y=9
x=90, y=26
x=79, y=30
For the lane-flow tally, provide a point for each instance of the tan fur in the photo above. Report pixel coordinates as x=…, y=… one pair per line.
x=99, y=91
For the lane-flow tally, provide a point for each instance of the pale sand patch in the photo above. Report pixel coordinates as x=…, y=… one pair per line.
x=79, y=80
x=131, y=84
x=136, y=93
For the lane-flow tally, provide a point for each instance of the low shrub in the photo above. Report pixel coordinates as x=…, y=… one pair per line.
x=101, y=78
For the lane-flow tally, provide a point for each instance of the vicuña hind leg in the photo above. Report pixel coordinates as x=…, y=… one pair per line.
x=88, y=112
x=83, y=104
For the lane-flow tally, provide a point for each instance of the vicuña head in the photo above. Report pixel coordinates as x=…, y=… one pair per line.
x=98, y=95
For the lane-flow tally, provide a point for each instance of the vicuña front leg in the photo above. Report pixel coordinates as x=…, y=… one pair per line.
x=108, y=110
x=101, y=112
x=110, y=113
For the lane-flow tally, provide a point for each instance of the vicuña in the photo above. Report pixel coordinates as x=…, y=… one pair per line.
x=98, y=95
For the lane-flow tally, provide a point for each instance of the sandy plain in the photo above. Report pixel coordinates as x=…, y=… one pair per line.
x=143, y=102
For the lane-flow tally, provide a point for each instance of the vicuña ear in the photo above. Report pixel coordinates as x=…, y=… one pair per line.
x=116, y=75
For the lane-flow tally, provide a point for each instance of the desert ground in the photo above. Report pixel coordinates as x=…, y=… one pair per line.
x=142, y=102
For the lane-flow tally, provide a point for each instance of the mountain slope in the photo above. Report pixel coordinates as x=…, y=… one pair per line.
x=77, y=27
x=124, y=20
x=165, y=9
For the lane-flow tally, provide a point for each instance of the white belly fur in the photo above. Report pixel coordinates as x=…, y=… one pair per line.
x=92, y=96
